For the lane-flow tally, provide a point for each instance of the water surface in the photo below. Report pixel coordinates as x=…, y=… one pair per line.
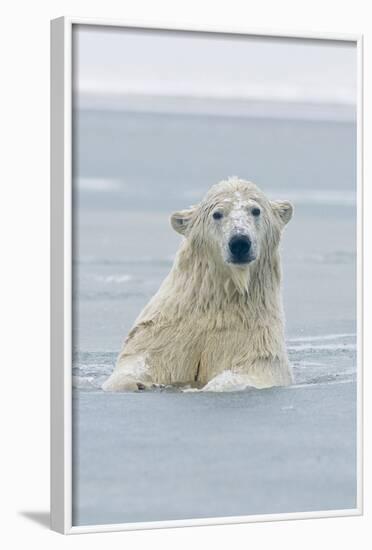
x=174, y=455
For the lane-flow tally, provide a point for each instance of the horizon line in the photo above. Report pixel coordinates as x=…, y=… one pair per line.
x=187, y=104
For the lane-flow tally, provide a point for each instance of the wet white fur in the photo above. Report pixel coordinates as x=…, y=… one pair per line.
x=210, y=315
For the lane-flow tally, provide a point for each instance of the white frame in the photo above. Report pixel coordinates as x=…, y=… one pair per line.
x=61, y=284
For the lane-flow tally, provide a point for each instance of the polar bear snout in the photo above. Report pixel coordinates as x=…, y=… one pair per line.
x=240, y=248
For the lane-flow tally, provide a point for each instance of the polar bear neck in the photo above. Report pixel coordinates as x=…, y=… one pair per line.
x=203, y=285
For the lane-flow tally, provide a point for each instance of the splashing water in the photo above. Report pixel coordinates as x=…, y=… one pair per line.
x=315, y=360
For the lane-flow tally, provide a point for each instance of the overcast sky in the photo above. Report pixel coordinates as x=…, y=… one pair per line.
x=119, y=61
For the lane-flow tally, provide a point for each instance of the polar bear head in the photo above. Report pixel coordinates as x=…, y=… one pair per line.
x=235, y=223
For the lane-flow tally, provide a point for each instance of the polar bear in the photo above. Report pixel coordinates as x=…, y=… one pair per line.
x=217, y=320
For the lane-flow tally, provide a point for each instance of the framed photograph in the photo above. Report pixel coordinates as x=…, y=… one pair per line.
x=206, y=276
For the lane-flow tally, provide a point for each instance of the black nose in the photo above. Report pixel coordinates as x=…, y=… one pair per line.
x=240, y=246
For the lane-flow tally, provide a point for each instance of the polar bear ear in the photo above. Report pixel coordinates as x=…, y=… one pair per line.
x=284, y=209
x=180, y=220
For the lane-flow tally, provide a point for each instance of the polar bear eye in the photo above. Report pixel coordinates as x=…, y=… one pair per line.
x=217, y=215
x=256, y=211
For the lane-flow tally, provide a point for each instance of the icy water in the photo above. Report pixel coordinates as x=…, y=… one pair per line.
x=176, y=455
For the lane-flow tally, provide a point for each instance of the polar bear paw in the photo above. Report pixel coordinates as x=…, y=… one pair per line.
x=121, y=384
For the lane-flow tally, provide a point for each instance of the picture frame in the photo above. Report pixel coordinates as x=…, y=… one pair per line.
x=61, y=276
